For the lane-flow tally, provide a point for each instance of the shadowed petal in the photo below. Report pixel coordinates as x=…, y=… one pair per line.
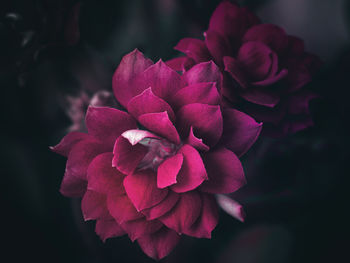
x=261, y=97
x=233, y=67
x=160, y=124
x=163, y=207
x=205, y=119
x=107, y=124
x=240, y=131
x=126, y=156
x=121, y=208
x=107, y=228
x=224, y=170
x=131, y=65
x=94, y=206
x=207, y=220
x=194, y=48
x=147, y=102
x=192, y=172
x=185, y=212
x=72, y=186
x=68, y=141
x=168, y=171
x=159, y=244
x=104, y=178
x=141, y=188
x=196, y=142
x=140, y=227
x=218, y=45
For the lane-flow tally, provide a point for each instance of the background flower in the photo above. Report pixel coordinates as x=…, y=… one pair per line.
x=265, y=70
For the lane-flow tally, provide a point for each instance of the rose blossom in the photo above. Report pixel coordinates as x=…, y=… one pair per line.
x=265, y=70
x=152, y=171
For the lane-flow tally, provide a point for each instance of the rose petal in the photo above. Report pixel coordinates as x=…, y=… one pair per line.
x=271, y=35
x=107, y=124
x=185, y=212
x=205, y=119
x=240, y=131
x=81, y=156
x=135, y=136
x=205, y=93
x=231, y=207
x=203, y=72
x=168, y=171
x=121, y=208
x=93, y=206
x=147, y=102
x=163, y=80
x=141, y=188
x=131, y=65
x=207, y=220
x=163, y=207
x=127, y=157
x=224, y=170
x=177, y=64
x=192, y=172
x=160, y=124
x=196, y=142
x=72, y=186
x=108, y=228
x=102, y=177
x=159, y=244
x=68, y=141
x=233, y=67
x=218, y=45
x=140, y=227
x=269, y=81
x=261, y=97
x=194, y=48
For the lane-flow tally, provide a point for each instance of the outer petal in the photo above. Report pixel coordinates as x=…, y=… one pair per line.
x=271, y=35
x=194, y=48
x=72, y=186
x=163, y=80
x=141, y=188
x=177, y=64
x=107, y=124
x=124, y=87
x=108, y=228
x=240, y=131
x=147, y=102
x=168, y=170
x=68, y=141
x=163, y=207
x=140, y=227
x=81, y=156
x=160, y=123
x=203, y=72
x=102, y=177
x=235, y=70
x=159, y=244
x=121, y=208
x=261, y=97
x=127, y=157
x=208, y=219
x=94, y=206
x=185, y=212
x=192, y=172
x=231, y=207
x=204, y=92
x=224, y=170
x=218, y=45
x=205, y=119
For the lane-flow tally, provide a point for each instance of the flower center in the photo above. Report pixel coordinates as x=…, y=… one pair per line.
x=158, y=152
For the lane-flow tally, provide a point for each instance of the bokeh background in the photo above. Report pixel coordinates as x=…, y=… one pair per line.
x=297, y=197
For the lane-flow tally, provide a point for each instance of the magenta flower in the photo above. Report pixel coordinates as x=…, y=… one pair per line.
x=152, y=171
x=265, y=70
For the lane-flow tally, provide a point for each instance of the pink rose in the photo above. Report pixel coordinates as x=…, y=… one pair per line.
x=152, y=171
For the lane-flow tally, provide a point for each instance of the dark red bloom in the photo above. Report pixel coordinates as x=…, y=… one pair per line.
x=265, y=70
x=152, y=171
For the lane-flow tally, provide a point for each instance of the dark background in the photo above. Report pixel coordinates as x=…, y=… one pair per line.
x=297, y=193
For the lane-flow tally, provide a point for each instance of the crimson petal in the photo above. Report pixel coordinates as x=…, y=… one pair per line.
x=224, y=170
x=196, y=142
x=140, y=227
x=131, y=65
x=107, y=228
x=194, y=48
x=121, y=208
x=218, y=45
x=93, y=206
x=168, y=170
x=68, y=141
x=141, y=188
